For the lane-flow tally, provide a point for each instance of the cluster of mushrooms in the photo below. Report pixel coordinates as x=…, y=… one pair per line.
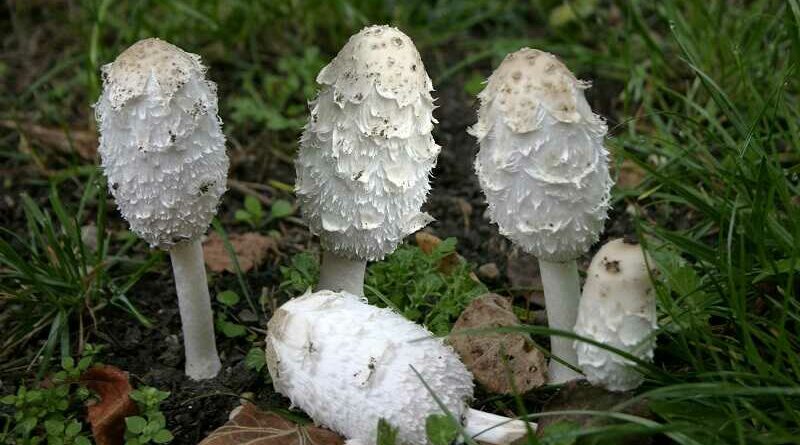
x=363, y=171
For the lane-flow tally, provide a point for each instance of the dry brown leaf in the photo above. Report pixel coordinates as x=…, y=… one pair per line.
x=107, y=416
x=491, y=357
x=427, y=242
x=251, y=249
x=252, y=426
x=81, y=141
x=630, y=175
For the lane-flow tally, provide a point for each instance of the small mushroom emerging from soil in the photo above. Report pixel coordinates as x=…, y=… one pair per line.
x=348, y=364
x=366, y=154
x=163, y=153
x=618, y=308
x=544, y=170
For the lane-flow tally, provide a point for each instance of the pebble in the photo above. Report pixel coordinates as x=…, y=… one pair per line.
x=489, y=271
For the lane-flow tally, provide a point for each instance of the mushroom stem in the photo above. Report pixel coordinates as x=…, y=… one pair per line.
x=202, y=361
x=561, y=298
x=491, y=428
x=339, y=273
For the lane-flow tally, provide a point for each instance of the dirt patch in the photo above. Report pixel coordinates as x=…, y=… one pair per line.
x=155, y=357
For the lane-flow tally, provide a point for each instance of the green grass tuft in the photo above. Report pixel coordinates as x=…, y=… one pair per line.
x=58, y=274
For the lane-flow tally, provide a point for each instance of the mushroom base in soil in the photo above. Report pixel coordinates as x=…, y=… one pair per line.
x=348, y=364
x=194, y=303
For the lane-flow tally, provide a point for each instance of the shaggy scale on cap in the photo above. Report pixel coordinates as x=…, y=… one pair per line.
x=347, y=364
x=618, y=308
x=541, y=162
x=367, y=152
x=161, y=143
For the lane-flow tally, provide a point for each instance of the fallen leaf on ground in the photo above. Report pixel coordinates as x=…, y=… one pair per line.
x=580, y=395
x=492, y=357
x=81, y=141
x=630, y=175
x=427, y=242
x=252, y=426
x=251, y=250
x=107, y=416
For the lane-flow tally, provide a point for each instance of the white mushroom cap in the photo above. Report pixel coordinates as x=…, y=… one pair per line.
x=367, y=152
x=542, y=164
x=347, y=364
x=161, y=143
x=618, y=308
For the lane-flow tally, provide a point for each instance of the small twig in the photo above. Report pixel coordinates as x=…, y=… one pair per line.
x=258, y=186
x=64, y=140
x=81, y=342
x=38, y=326
x=249, y=189
x=17, y=364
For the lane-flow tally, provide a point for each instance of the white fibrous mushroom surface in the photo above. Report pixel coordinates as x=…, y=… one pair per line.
x=618, y=308
x=367, y=152
x=161, y=143
x=348, y=364
x=542, y=163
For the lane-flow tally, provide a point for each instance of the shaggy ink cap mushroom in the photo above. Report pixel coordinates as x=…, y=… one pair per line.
x=161, y=143
x=544, y=170
x=618, y=308
x=163, y=152
x=367, y=152
x=542, y=163
x=348, y=364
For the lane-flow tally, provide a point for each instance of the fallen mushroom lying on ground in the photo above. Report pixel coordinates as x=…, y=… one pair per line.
x=163, y=152
x=366, y=154
x=544, y=170
x=348, y=364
